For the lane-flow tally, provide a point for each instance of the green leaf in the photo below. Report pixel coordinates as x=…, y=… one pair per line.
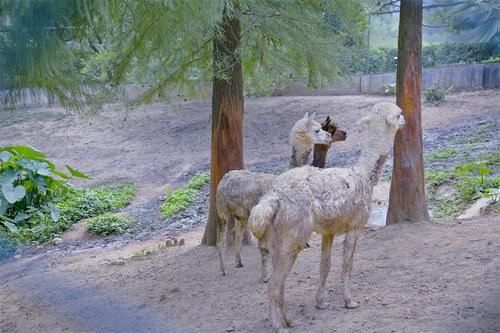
x=76, y=173
x=8, y=176
x=20, y=217
x=54, y=213
x=28, y=152
x=11, y=226
x=5, y=156
x=60, y=174
x=4, y=205
x=13, y=194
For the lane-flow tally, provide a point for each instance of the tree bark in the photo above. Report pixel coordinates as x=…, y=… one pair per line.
x=407, y=195
x=227, y=114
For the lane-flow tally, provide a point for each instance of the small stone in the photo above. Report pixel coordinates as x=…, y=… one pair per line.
x=490, y=242
x=57, y=241
x=163, y=298
x=230, y=329
x=181, y=242
x=17, y=256
x=169, y=243
x=176, y=241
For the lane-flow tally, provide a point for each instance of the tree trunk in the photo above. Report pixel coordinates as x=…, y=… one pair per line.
x=407, y=195
x=227, y=114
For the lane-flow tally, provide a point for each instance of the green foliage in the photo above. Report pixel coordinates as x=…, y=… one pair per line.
x=178, y=200
x=100, y=45
x=78, y=204
x=29, y=182
x=382, y=60
x=434, y=95
x=107, y=224
x=471, y=181
x=199, y=180
x=443, y=154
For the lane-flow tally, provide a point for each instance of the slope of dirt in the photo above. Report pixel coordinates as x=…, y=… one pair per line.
x=408, y=278
x=157, y=147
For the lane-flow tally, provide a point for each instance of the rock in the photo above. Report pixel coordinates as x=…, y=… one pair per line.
x=181, y=242
x=230, y=329
x=57, y=241
x=169, y=243
x=445, y=191
x=477, y=208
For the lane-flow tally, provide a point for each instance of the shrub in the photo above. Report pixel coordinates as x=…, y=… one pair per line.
x=434, y=95
x=107, y=224
x=29, y=182
x=390, y=89
x=78, y=204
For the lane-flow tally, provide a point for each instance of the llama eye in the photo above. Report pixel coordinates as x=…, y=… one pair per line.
x=317, y=131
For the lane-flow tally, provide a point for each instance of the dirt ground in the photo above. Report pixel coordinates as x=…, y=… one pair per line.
x=409, y=278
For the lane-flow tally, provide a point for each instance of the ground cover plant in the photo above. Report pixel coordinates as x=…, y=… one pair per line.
x=178, y=200
x=78, y=204
x=107, y=224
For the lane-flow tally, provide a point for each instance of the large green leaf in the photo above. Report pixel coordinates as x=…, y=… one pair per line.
x=8, y=176
x=4, y=205
x=76, y=173
x=28, y=152
x=13, y=194
x=11, y=226
x=5, y=156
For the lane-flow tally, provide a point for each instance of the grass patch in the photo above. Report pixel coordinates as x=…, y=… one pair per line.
x=178, y=200
x=471, y=180
x=107, y=224
x=78, y=204
x=443, y=154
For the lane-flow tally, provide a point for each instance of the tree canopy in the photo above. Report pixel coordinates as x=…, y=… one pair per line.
x=83, y=51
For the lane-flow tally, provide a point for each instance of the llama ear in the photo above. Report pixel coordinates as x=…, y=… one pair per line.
x=364, y=121
x=306, y=116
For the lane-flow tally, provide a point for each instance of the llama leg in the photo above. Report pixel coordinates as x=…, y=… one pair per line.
x=264, y=254
x=239, y=229
x=282, y=267
x=324, y=269
x=221, y=233
x=349, y=246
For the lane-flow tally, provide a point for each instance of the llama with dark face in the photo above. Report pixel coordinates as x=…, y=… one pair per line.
x=327, y=201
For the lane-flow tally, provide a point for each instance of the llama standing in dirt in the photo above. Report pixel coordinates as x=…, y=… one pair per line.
x=240, y=190
x=328, y=201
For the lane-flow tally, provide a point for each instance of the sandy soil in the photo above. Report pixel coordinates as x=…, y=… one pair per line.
x=409, y=278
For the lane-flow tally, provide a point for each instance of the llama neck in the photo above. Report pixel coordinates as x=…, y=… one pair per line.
x=373, y=166
x=299, y=157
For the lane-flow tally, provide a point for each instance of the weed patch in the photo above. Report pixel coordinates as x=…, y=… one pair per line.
x=107, y=224
x=178, y=200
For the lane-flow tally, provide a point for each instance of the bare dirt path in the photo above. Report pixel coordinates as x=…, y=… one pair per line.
x=409, y=278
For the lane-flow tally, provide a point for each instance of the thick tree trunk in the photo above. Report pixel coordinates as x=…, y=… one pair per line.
x=227, y=114
x=407, y=195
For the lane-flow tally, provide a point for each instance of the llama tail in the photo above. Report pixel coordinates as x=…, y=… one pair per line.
x=263, y=214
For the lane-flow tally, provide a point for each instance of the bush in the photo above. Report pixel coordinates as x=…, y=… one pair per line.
x=434, y=96
x=199, y=180
x=29, y=183
x=107, y=224
x=77, y=205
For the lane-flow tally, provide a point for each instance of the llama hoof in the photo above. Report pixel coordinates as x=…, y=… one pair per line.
x=322, y=305
x=280, y=330
x=264, y=279
x=239, y=265
x=351, y=305
x=291, y=323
